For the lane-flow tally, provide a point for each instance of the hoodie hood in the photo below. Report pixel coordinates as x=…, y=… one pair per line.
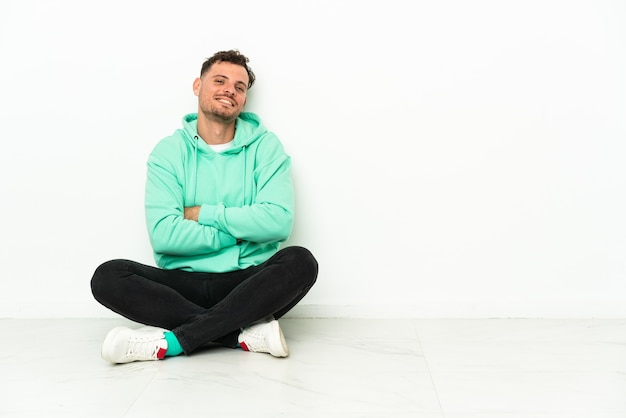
x=248, y=129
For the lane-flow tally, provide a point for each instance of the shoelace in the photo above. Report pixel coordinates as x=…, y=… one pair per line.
x=143, y=347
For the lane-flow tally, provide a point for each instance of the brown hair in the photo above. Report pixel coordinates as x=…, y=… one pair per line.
x=234, y=57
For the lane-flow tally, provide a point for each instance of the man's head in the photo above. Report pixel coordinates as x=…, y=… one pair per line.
x=223, y=85
x=232, y=56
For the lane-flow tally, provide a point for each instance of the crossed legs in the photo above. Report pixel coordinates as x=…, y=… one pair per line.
x=201, y=308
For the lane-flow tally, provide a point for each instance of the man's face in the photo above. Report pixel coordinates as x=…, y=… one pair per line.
x=222, y=91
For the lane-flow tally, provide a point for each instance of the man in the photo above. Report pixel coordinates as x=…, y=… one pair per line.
x=219, y=201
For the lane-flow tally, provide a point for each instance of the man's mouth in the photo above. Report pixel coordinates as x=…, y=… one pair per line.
x=225, y=101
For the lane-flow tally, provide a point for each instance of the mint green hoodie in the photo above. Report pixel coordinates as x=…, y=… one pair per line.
x=245, y=194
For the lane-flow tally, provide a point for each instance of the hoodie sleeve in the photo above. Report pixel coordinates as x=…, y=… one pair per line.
x=270, y=216
x=170, y=233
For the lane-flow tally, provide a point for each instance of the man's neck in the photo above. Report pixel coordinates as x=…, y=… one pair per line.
x=215, y=133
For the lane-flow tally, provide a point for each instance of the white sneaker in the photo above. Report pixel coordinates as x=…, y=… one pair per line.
x=124, y=345
x=266, y=337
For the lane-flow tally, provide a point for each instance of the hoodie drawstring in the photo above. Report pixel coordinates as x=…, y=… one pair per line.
x=245, y=147
x=195, y=168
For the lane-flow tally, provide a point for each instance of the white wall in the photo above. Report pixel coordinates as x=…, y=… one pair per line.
x=452, y=158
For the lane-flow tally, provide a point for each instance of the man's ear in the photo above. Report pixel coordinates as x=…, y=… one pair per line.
x=196, y=86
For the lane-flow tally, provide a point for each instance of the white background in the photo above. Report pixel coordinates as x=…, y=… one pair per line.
x=451, y=158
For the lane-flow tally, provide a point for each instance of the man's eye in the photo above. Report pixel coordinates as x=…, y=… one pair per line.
x=241, y=89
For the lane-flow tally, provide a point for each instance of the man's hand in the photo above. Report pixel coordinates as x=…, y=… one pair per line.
x=191, y=213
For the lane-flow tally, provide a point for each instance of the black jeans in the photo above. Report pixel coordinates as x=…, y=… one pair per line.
x=201, y=308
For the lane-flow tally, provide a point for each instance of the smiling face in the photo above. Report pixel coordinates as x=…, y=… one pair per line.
x=222, y=92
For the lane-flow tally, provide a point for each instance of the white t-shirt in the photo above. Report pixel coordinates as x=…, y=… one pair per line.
x=221, y=147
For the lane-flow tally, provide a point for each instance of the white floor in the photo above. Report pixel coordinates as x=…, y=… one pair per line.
x=337, y=368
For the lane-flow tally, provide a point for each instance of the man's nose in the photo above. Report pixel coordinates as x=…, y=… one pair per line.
x=230, y=89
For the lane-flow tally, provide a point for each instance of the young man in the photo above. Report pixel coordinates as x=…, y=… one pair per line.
x=219, y=201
